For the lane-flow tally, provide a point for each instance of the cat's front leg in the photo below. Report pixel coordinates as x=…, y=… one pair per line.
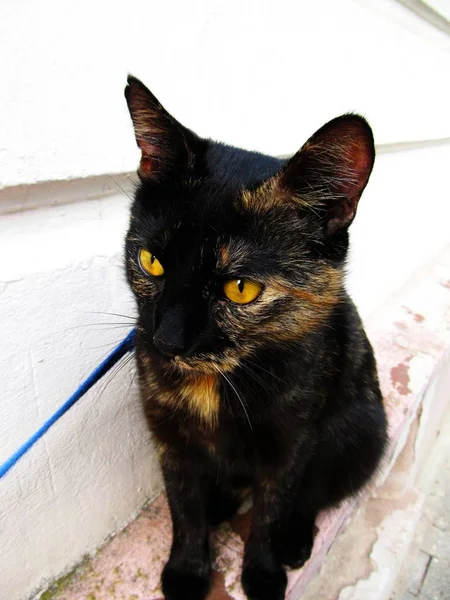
x=263, y=575
x=293, y=543
x=187, y=572
x=280, y=534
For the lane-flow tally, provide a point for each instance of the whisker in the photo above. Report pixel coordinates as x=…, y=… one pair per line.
x=237, y=394
x=259, y=380
x=247, y=369
x=133, y=377
x=100, y=358
x=109, y=314
x=113, y=373
x=265, y=370
x=102, y=346
x=114, y=325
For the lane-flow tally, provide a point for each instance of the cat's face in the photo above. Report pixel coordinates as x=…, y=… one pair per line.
x=215, y=280
x=230, y=251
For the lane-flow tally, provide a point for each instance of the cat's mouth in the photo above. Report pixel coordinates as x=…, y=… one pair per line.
x=205, y=364
x=184, y=364
x=195, y=365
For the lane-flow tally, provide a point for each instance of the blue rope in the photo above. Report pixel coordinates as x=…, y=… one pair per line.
x=119, y=351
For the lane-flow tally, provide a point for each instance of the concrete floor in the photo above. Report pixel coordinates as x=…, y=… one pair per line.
x=397, y=546
x=426, y=570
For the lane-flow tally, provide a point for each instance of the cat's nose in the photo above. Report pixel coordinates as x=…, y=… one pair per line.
x=169, y=336
x=167, y=348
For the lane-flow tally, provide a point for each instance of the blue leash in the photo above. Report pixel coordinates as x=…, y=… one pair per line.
x=126, y=345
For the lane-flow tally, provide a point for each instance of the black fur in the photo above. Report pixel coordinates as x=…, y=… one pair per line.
x=299, y=419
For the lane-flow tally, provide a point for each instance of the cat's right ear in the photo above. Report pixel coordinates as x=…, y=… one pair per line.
x=332, y=169
x=163, y=142
x=327, y=175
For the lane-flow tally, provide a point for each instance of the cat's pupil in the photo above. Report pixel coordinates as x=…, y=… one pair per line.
x=240, y=283
x=152, y=259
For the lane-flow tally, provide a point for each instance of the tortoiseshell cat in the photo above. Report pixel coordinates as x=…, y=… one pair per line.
x=255, y=371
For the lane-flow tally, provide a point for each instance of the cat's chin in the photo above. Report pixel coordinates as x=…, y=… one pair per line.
x=194, y=366
x=189, y=366
x=201, y=366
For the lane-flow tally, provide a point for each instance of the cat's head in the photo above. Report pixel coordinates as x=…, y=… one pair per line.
x=230, y=251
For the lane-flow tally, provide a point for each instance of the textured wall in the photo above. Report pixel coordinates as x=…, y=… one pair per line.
x=258, y=73
x=60, y=268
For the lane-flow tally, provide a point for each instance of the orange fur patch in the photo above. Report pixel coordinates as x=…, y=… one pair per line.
x=201, y=392
x=224, y=256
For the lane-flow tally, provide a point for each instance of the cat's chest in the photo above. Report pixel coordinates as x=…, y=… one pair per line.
x=196, y=418
x=229, y=421
x=201, y=397
x=192, y=399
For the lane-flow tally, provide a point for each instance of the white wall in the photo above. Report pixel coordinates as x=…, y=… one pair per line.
x=90, y=473
x=261, y=74
x=258, y=73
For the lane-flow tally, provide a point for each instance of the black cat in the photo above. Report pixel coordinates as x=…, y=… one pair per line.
x=255, y=371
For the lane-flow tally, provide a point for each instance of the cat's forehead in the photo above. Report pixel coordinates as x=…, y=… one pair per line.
x=212, y=214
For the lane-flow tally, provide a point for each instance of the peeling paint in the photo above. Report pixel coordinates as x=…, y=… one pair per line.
x=400, y=377
x=418, y=318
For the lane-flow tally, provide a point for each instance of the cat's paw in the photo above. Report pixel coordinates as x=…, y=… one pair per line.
x=294, y=546
x=295, y=553
x=180, y=585
x=263, y=584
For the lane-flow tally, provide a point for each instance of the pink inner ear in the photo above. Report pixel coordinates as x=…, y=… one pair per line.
x=333, y=168
x=353, y=165
x=159, y=136
x=147, y=166
x=152, y=126
x=357, y=159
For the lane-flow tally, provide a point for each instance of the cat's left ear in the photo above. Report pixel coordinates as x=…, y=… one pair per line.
x=332, y=169
x=166, y=145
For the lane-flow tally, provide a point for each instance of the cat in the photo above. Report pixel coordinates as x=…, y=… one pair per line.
x=255, y=371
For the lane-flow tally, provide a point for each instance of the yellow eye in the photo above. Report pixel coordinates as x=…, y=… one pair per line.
x=242, y=291
x=150, y=264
